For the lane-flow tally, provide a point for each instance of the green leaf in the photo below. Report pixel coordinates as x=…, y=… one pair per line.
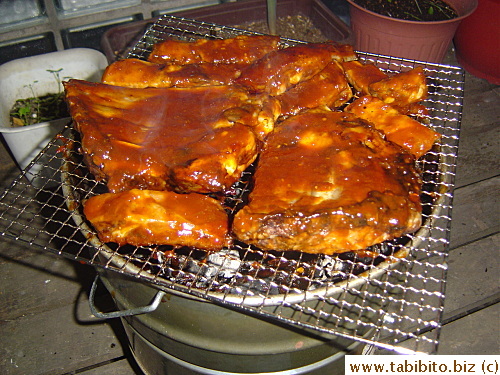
x=430, y=10
x=23, y=111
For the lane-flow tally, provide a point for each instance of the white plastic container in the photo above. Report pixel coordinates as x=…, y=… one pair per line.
x=32, y=77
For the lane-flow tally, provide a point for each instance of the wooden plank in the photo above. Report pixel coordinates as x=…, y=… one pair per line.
x=472, y=277
x=473, y=274
x=58, y=341
x=7, y=163
x=120, y=367
x=476, y=333
x=34, y=281
x=46, y=325
x=473, y=334
x=39, y=289
x=475, y=212
x=479, y=147
x=475, y=85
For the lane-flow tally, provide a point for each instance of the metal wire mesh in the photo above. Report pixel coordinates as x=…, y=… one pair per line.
x=393, y=301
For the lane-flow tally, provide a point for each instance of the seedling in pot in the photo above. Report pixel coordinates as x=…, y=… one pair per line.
x=37, y=109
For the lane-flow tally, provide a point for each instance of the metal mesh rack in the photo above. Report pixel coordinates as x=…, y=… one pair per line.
x=394, y=301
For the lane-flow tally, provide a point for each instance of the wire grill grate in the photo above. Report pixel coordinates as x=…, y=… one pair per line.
x=393, y=301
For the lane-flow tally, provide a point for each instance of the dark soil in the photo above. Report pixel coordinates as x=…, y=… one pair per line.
x=40, y=109
x=297, y=27
x=411, y=10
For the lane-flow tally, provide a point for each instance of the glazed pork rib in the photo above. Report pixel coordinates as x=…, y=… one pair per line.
x=399, y=128
x=242, y=49
x=280, y=70
x=401, y=89
x=327, y=182
x=327, y=88
x=361, y=76
x=139, y=74
x=184, y=139
x=404, y=90
x=147, y=217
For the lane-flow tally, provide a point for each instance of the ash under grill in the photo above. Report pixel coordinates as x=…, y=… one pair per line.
x=396, y=297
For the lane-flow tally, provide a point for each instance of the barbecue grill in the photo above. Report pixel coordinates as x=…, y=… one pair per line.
x=393, y=300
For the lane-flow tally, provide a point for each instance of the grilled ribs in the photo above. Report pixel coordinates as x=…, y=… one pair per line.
x=139, y=74
x=194, y=116
x=401, y=89
x=242, y=49
x=410, y=134
x=147, y=217
x=183, y=139
x=361, y=76
x=327, y=182
x=328, y=88
x=280, y=70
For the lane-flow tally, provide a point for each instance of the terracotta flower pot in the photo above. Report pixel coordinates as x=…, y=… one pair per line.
x=416, y=40
x=477, y=41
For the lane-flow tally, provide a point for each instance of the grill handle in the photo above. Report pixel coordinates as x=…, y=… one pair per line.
x=119, y=314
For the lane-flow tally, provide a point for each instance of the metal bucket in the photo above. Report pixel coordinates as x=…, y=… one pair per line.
x=185, y=335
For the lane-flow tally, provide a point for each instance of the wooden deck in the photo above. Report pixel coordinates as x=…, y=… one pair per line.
x=46, y=326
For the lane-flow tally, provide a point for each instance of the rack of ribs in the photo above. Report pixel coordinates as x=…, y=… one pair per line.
x=327, y=182
x=139, y=74
x=242, y=49
x=148, y=217
x=183, y=139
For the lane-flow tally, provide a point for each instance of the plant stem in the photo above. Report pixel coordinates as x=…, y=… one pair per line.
x=418, y=6
x=271, y=16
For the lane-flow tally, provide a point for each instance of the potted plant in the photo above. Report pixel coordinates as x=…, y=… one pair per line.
x=32, y=82
x=415, y=37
